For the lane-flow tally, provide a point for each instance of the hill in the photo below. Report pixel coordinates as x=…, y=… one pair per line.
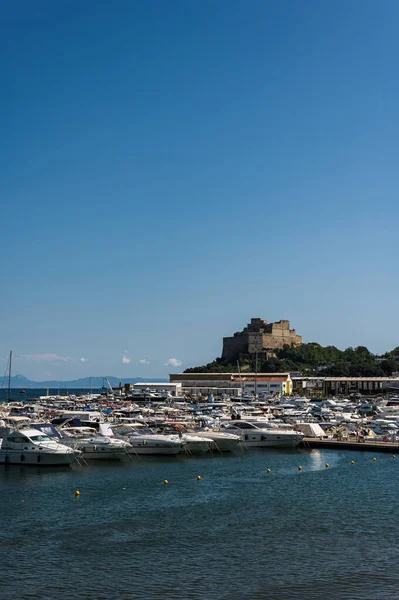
x=312, y=359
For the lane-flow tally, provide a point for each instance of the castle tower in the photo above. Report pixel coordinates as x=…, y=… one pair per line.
x=260, y=336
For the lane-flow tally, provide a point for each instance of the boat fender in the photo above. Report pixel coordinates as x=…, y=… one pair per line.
x=144, y=442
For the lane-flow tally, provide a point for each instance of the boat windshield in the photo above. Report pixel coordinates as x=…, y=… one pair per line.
x=40, y=438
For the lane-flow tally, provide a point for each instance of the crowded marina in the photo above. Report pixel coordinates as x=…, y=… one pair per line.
x=124, y=425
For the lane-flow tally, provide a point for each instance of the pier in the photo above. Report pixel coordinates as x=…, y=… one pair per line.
x=351, y=444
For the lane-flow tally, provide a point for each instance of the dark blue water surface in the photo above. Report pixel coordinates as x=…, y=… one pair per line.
x=19, y=395
x=240, y=532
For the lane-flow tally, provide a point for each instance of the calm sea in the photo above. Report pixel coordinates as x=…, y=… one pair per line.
x=239, y=533
x=18, y=395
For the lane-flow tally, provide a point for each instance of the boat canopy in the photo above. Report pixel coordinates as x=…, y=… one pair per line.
x=47, y=428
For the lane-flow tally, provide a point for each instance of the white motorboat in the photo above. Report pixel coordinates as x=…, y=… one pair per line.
x=146, y=441
x=191, y=443
x=94, y=448
x=259, y=435
x=221, y=441
x=196, y=444
x=28, y=446
x=152, y=443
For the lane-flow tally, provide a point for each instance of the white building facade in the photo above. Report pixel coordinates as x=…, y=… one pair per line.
x=171, y=389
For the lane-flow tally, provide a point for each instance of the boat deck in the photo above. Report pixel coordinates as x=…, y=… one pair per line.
x=351, y=444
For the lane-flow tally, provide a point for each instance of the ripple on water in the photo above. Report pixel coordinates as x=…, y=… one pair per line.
x=238, y=533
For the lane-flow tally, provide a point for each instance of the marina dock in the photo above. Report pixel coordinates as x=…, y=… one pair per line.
x=351, y=444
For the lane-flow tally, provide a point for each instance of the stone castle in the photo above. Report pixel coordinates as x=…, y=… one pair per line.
x=260, y=336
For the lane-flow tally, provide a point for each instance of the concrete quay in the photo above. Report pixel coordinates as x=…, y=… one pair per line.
x=369, y=445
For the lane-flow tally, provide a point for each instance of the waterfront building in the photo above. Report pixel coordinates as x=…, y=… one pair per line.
x=271, y=384
x=307, y=385
x=359, y=385
x=233, y=384
x=260, y=336
x=331, y=386
x=172, y=389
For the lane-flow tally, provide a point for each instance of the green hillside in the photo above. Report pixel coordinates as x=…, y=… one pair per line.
x=312, y=359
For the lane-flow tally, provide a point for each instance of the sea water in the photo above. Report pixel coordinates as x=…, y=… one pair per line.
x=32, y=394
x=238, y=533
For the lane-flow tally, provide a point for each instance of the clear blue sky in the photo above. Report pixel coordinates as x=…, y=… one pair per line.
x=172, y=169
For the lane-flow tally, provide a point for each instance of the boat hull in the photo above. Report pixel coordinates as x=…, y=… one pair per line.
x=196, y=447
x=155, y=444
x=16, y=457
x=271, y=443
x=220, y=442
x=257, y=437
x=102, y=453
x=220, y=445
x=155, y=450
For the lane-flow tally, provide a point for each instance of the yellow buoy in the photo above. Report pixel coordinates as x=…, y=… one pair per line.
x=22, y=500
x=374, y=459
x=267, y=470
x=299, y=468
x=165, y=481
x=327, y=465
x=198, y=477
x=352, y=462
x=77, y=493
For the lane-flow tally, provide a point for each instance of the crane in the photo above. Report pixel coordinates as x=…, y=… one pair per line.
x=109, y=385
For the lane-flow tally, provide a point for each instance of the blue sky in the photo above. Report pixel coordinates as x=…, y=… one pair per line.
x=172, y=169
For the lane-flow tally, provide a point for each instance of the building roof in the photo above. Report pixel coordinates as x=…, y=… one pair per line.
x=260, y=379
x=360, y=378
x=232, y=378
x=180, y=376
x=308, y=378
x=345, y=378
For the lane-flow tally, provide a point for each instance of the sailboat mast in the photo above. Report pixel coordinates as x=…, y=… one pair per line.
x=239, y=373
x=9, y=378
x=256, y=372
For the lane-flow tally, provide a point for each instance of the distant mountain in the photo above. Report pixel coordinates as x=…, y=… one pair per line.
x=21, y=382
